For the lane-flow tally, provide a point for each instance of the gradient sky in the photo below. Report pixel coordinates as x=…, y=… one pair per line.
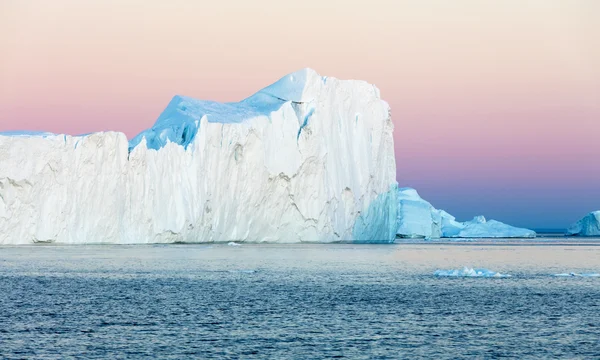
x=496, y=103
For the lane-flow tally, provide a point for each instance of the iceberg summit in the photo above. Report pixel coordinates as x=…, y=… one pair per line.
x=308, y=158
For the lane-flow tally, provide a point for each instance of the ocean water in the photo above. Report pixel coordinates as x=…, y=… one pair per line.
x=298, y=301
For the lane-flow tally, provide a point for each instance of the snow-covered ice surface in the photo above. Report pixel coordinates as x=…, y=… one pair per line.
x=469, y=272
x=26, y=133
x=306, y=159
x=417, y=218
x=589, y=225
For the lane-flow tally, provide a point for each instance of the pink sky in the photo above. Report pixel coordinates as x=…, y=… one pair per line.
x=496, y=103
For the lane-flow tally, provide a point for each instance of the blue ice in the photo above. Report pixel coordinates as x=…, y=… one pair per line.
x=179, y=122
x=469, y=272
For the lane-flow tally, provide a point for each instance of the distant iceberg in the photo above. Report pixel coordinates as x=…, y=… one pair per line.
x=417, y=218
x=469, y=272
x=589, y=225
x=479, y=227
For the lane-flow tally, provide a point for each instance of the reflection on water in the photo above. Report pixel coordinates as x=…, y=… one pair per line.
x=299, y=301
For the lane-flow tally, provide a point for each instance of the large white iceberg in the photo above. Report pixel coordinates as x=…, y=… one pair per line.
x=589, y=225
x=417, y=218
x=308, y=158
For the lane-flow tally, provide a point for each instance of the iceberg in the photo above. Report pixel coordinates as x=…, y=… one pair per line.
x=417, y=218
x=479, y=227
x=589, y=225
x=308, y=158
x=469, y=272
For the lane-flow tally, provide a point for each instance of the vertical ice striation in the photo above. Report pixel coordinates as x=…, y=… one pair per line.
x=302, y=160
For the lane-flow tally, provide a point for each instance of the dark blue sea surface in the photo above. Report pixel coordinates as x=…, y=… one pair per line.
x=298, y=302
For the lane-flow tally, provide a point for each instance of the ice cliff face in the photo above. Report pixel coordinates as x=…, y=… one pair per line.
x=308, y=158
x=417, y=218
x=589, y=225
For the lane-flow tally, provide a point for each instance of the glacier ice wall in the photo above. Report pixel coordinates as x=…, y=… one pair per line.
x=308, y=158
x=589, y=225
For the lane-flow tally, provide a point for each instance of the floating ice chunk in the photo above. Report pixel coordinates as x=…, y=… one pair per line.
x=233, y=244
x=469, y=272
x=577, y=275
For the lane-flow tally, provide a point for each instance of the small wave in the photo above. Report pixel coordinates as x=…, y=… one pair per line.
x=470, y=272
x=577, y=275
x=242, y=271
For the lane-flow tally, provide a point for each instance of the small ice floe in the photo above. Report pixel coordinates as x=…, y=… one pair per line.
x=233, y=244
x=578, y=275
x=469, y=272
